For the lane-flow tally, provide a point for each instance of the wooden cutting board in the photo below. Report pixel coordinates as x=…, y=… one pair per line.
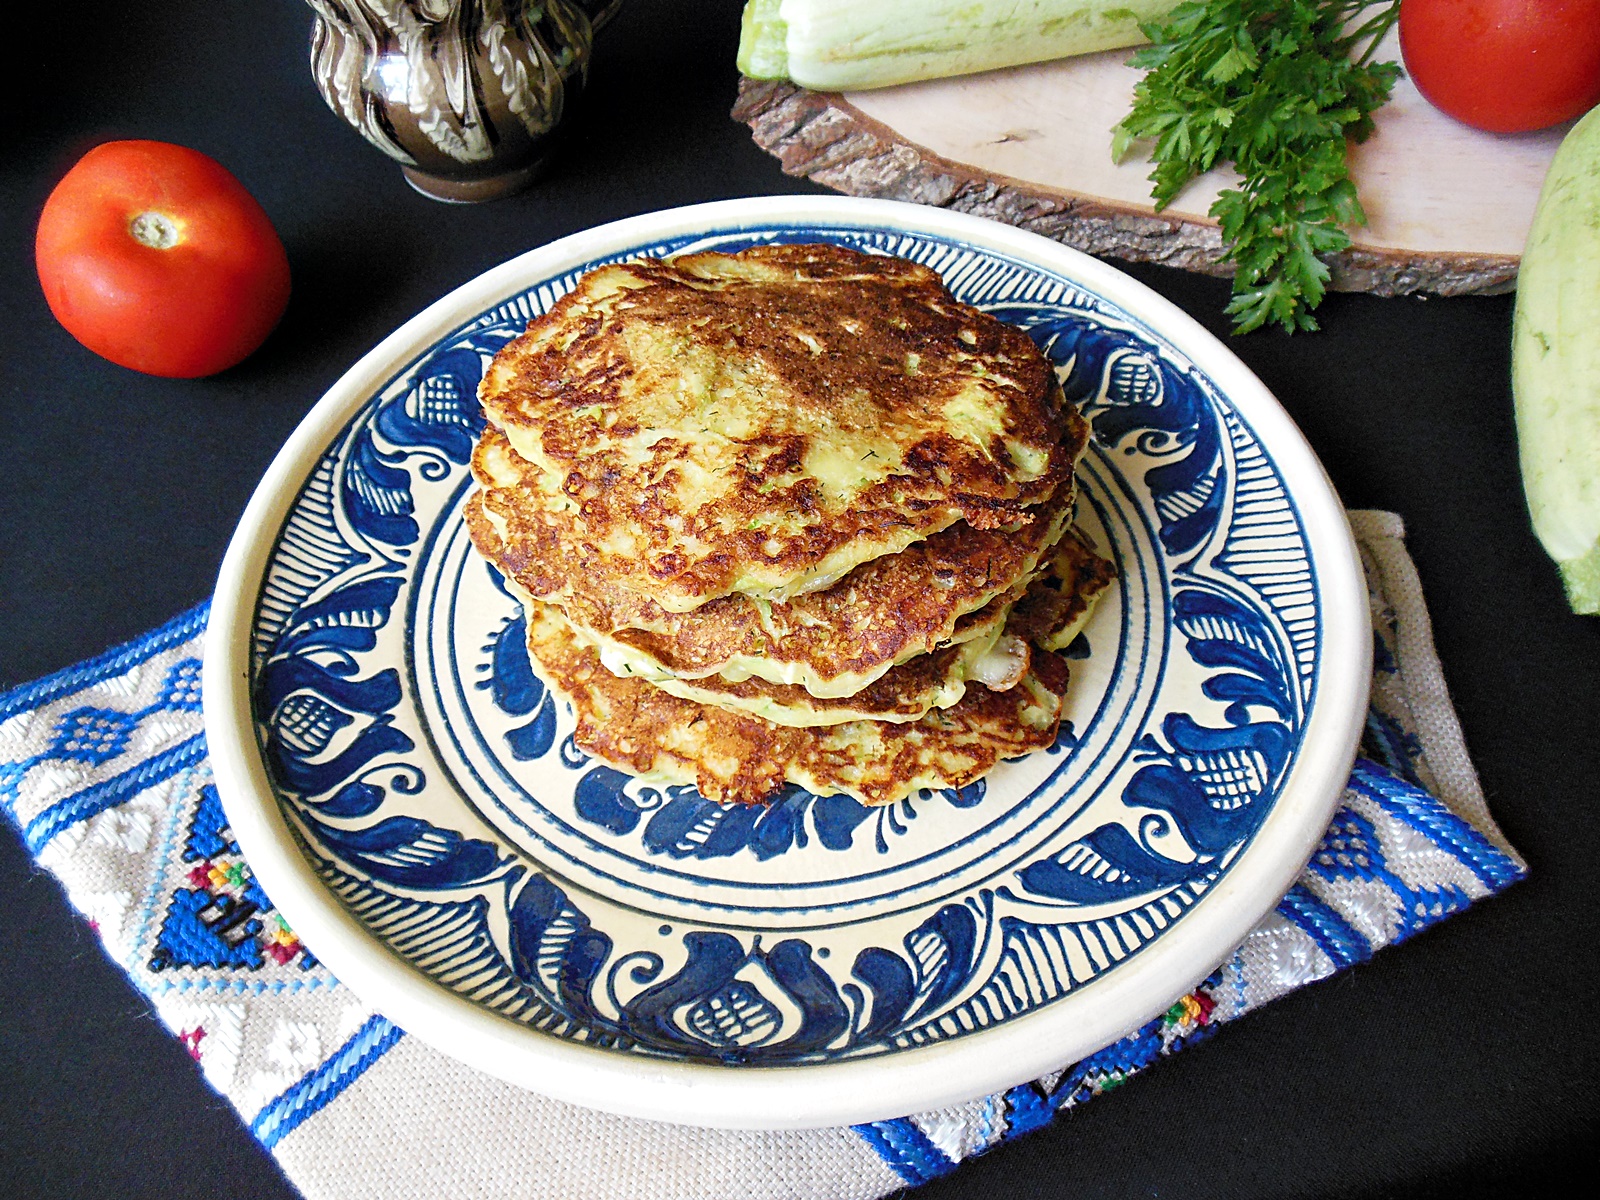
x=1448, y=206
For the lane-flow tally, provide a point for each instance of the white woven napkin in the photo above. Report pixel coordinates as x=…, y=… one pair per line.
x=103, y=770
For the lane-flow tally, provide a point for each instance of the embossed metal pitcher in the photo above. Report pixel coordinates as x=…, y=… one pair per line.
x=469, y=96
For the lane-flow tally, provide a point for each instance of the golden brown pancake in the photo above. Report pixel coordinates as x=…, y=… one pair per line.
x=730, y=757
x=904, y=693
x=1058, y=604
x=993, y=649
x=763, y=423
x=832, y=642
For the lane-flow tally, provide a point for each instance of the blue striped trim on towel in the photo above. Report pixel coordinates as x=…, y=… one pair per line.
x=108, y=793
x=115, y=661
x=316, y=1091
x=1335, y=936
x=909, y=1152
x=1494, y=868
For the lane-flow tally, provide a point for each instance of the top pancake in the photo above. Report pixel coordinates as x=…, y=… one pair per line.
x=762, y=423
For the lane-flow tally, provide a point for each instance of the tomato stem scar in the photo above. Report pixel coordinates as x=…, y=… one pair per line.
x=155, y=229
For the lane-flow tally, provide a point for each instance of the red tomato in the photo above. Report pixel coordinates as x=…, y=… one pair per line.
x=154, y=256
x=1504, y=65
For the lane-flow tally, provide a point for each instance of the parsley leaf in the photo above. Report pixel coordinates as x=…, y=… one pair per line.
x=1277, y=88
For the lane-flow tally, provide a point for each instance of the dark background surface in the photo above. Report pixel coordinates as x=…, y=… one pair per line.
x=1461, y=1064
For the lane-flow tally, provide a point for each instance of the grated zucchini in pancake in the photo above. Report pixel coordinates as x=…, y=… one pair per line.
x=764, y=423
x=732, y=757
x=832, y=642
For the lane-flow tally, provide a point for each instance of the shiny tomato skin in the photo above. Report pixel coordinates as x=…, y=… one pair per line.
x=193, y=308
x=1506, y=66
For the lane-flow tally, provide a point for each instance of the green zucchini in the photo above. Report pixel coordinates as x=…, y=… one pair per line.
x=1555, y=364
x=838, y=45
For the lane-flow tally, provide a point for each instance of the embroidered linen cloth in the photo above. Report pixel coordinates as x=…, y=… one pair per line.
x=103, y=770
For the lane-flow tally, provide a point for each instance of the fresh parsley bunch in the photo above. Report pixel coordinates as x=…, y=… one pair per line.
x=1276, y=87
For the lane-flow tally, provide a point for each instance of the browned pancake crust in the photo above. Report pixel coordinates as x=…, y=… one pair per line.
x=740, y=759
x=903, y=693
x=796, y=350
x=1054, y=602
x=884, y=612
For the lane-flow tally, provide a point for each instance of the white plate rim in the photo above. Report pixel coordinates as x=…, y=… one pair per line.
x=810, y=1096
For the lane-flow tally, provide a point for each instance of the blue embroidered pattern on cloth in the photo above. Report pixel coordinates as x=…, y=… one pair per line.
x=103, y=770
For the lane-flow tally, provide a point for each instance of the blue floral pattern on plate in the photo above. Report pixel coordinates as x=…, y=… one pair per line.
x=433, y=778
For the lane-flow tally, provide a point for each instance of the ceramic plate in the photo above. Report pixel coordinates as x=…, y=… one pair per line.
x=409, y=794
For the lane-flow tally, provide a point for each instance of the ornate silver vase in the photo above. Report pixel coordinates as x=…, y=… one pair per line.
x=468, y=96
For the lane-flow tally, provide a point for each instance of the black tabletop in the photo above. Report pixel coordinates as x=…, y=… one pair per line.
x=1459, y=1064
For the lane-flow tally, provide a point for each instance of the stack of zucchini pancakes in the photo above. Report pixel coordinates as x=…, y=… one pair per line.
x=788, y=516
